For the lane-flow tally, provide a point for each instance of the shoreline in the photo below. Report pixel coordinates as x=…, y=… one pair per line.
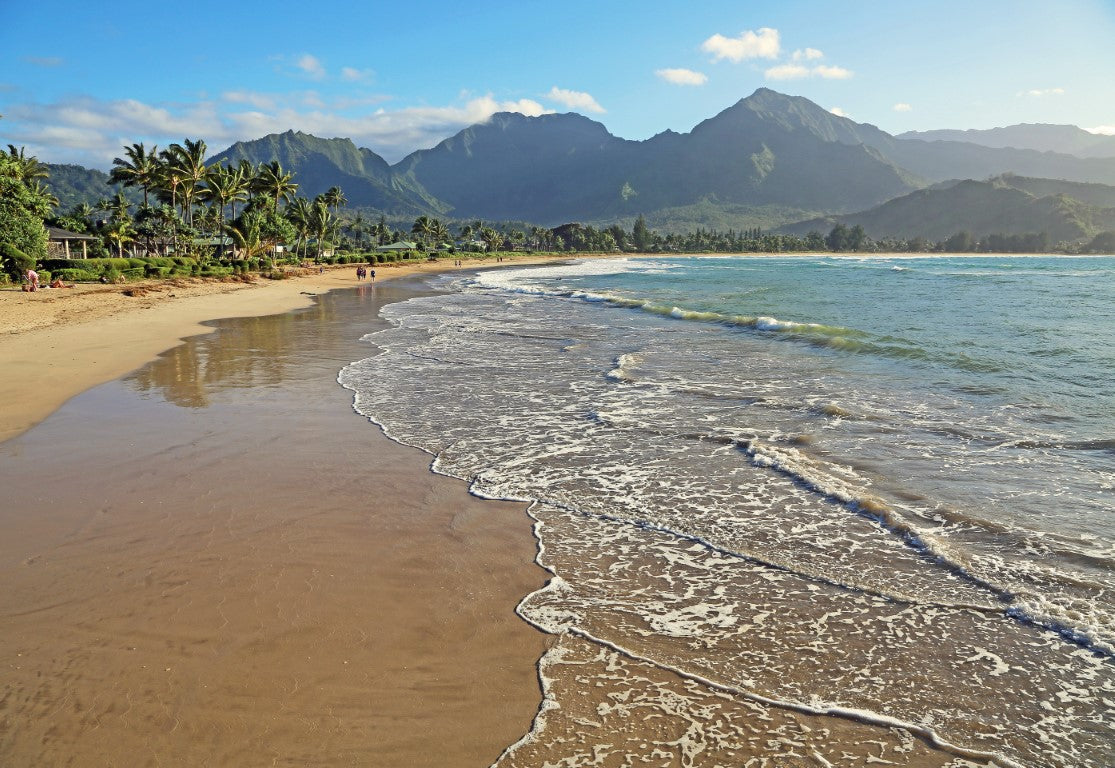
x=213, y=560
x=57, y=343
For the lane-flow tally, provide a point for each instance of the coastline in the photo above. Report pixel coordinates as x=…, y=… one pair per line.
x=213, y=560
x=58, y=343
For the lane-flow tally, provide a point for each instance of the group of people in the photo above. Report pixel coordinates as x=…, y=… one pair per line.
x=32, y=284
x=363, y=272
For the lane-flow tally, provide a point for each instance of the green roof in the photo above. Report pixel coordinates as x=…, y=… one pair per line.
x=403, y=246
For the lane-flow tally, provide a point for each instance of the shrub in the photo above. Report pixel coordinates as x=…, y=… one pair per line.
x=15, y=262
x=76, y=275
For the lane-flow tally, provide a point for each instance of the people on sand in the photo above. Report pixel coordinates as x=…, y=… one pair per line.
x=372, y=274
x=32, y=280
x=57, y=283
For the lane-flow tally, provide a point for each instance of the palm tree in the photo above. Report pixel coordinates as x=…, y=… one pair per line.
x=221, y=187
x=188, y=161
x=247, y=235
x=335, y=198
x=140, y=169
x=27, y=169
x=439, y=232
x=321, y=222
x=493, y=240
x=299, y=213
x=274, y=183
x=120, y=232
x=423, y=229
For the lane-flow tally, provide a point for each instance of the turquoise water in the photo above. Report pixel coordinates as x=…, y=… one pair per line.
x=878, y=489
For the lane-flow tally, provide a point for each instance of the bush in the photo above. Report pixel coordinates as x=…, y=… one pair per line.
x=76, y=275
x=15, y=262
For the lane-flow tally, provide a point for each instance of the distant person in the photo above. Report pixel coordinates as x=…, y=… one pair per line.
x=57, y=283
x=33, y=279
x=373, y=275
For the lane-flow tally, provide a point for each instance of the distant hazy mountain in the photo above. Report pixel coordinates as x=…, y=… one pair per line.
x=1042, y=137
x=1008, y=205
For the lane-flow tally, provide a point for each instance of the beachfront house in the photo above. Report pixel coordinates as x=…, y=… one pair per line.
x=59, y=243
x=401, y=246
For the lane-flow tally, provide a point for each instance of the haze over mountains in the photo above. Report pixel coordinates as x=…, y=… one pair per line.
x=768, y=160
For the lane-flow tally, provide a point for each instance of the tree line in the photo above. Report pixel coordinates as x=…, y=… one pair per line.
x=246, y=211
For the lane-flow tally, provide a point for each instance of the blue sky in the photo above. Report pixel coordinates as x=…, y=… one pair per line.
x=79, y=81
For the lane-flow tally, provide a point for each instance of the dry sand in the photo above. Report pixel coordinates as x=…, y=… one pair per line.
x=214, y=561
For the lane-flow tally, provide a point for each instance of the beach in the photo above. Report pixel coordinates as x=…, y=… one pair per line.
x=209, y=559
x=667, y=510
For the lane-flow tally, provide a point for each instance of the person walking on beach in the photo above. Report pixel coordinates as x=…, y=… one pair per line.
x=373, y=275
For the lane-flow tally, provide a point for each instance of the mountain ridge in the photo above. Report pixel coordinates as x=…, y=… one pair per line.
x=768, y=152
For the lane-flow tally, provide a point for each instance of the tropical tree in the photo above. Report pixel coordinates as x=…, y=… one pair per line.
x=187, y=160
x=273, y=183
x=438, y=232
x=25, y=168
x=120, y=231
x=335, y=198
x=422, y=229
x=493, y=240
x=299, y=213
x=23, y=206
x=139, y=169
x=247, y=235
x=223, y=186
x=321, y=223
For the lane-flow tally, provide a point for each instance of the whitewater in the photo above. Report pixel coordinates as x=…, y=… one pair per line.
x=797, y=511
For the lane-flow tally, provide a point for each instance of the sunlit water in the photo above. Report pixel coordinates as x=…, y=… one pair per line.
x=876, y=492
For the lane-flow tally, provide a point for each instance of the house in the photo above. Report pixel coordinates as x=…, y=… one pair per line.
x=58, y=243
x=403, y=245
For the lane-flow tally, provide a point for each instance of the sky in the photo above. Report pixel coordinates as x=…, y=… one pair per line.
x=79, y=81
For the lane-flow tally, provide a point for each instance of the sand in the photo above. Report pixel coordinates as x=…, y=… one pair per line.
x=214, y=561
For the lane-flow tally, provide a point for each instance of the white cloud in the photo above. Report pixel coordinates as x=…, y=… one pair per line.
x=574, y=100
x=1103, y=130
x=682, y=76
x=902, y=107
x=763, y=44
x=808, y=54
x=787, y=72
x=353, y=75
x=832, y=73
x=92, y=132
x=258, y=100
x=311, y=66
x=1040, y=92
x=799, y=71
x=838, y=112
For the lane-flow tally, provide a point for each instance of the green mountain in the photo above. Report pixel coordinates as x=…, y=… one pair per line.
x=1042, y=137
x=318, y=164
x=765, y=150
x=73, y=184
x=1007, y=205
x=767, y=160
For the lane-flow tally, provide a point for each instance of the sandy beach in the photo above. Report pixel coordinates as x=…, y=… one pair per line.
x=209, y=559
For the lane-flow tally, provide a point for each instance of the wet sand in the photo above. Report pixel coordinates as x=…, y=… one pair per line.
x=214, y=561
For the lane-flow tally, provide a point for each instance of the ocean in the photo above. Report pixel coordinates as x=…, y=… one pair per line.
x=826, y=511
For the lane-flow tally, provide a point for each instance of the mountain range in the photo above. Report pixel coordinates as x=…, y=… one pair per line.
x=768, y=160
